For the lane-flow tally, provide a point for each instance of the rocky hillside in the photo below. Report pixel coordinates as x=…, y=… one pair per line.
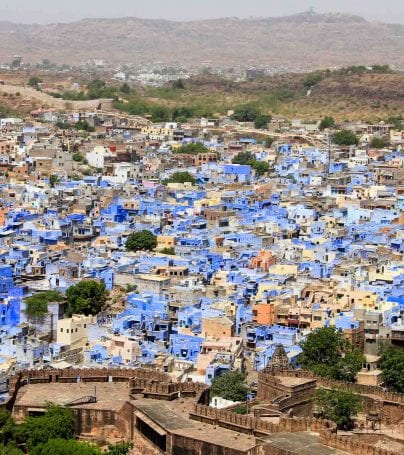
x=308, y=40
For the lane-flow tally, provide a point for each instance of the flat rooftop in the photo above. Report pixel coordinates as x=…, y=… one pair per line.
x=304, y=443
x=110, y=395
x=163, y=414
x=174, y=417
x=290, y=381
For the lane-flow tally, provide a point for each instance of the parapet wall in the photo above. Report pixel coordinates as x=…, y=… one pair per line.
x=251, y=425
x=328, y=383
x=351, y=445
x=165, y=390
x=80, y=375
x=152, y=384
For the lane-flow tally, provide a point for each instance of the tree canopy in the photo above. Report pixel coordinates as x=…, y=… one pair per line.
x=327, y=353
x=37, y=304
x=181, y=177
x=121, y=448
x=392, y=365
x=229, y=386
x=168, y=251
x=65, y=447
x=49, y=434
x=261, y=121
x=141, y=240
x=83, y=125
x=378, y=142
x=246, y=113
x=345, y=137
x=56, y=423
x=247, y=158
x=326, y=122
x=10, y=450
x=339, y=406
x=193, y=148
x=313, y=79
x=53, y=179
x=86, y=297
x=34, y=81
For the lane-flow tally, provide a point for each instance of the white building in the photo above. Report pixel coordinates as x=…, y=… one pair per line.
x=96, y=158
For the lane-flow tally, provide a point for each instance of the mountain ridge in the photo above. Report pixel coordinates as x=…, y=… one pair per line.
x=307, y=40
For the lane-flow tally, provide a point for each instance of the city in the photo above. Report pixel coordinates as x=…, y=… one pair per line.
x=197, y=259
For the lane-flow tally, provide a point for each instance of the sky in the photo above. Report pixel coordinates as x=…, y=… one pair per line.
x=49, y=11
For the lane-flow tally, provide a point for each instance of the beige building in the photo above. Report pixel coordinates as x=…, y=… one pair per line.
x=73, y=331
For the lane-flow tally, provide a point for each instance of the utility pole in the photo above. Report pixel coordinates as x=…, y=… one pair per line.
x=329, y=155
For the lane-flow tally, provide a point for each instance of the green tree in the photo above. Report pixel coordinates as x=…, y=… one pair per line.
x=326, y=122
x=62, y=125
x=36, y=306
x=169, y=251
x=160, y=113
x=142, y=240
x=7, y=428
x=82, y=125
x=121, y=448
x=35, y=81
x=182, y=113
x=78, y=157
x=229, y=386
x=339, y=406
x=246, y=113
x=66, y=447
x=86, y=297
x=327, y=353
x=56, y=423
x=313, y=79
x=125, y=88
x=181, y=177
x=392, y=365
x=377, y=142
x=261, y=121
x=10, y=450
x=345, y=137
x=130, y=288
x=53, y=179
x=396, y=122
x=179, y=84
x=247, y=158
x=261, y=167
x=193, y=148
x=243, y=158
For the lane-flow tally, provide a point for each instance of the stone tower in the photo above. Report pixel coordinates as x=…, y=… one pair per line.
x=279, y=359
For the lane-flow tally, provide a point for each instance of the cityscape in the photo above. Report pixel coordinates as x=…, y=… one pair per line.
x=201, y=252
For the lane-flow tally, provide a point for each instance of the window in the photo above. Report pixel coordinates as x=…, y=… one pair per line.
x=61, y=329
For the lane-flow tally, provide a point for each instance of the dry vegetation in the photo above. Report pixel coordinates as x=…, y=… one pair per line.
x=303, y=40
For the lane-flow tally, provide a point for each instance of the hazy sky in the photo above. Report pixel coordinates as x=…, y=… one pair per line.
x=45, y=11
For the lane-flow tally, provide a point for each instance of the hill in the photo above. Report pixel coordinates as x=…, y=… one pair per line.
x=343, y=94
x=306, y=40
x=347, y=93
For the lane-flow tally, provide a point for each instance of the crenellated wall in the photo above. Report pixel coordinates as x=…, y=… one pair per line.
x=258, y=427
x=328, y=383
x=351, y=445
x=389, y=404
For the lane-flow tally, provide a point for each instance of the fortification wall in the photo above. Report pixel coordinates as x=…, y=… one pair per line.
x=390, y=405
x=251, y=425
x=351, y=445
x=328, y=383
